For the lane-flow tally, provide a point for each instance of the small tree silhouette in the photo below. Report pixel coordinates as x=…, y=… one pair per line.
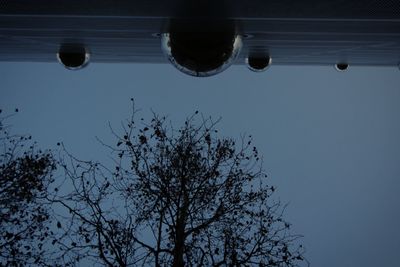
x=25, y=174
x=176, y=198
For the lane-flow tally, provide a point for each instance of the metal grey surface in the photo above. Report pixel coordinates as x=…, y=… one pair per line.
x=292, y=32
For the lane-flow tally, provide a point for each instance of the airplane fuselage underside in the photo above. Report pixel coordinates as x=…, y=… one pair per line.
x=308, y=32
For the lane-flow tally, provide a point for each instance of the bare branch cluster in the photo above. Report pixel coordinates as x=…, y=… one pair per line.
x=175, y=197
x=25, y=175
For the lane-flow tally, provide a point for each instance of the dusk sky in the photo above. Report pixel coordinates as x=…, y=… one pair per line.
x=330, y=140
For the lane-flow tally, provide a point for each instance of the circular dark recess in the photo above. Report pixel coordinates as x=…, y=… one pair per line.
x=201, y=53
x=258, y=63
x=342, y=66
x=73, y=56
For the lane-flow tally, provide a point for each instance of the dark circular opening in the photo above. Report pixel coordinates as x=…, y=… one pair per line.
x=341, y=66
x=202, y=53
x=258, y=63
x=73, y=56
x=201, y=47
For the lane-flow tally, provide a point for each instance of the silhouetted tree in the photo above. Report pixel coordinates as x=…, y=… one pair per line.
x=176, y=198
x=25, y=174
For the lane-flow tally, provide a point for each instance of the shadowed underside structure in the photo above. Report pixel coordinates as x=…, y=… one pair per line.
x=290, y=32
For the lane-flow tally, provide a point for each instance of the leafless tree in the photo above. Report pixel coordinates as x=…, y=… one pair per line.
x=176, y=197
x=25, y=175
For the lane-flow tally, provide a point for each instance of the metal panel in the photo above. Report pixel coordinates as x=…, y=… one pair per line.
x=293, y=32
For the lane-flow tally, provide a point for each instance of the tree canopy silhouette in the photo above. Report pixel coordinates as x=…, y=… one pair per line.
x=25, y=174
x=175, y=197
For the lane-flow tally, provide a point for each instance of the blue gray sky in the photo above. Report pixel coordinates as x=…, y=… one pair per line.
x=330, y=140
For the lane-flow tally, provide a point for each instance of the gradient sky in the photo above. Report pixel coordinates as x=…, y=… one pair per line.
x=330, y=140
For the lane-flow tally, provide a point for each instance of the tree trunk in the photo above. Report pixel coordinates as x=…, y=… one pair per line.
x=178, y=254
x=179, y=248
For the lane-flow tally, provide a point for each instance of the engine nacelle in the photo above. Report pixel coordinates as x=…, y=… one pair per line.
x=258, y=63
x=341, y=66
x=202, y=50
x=73, y=56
